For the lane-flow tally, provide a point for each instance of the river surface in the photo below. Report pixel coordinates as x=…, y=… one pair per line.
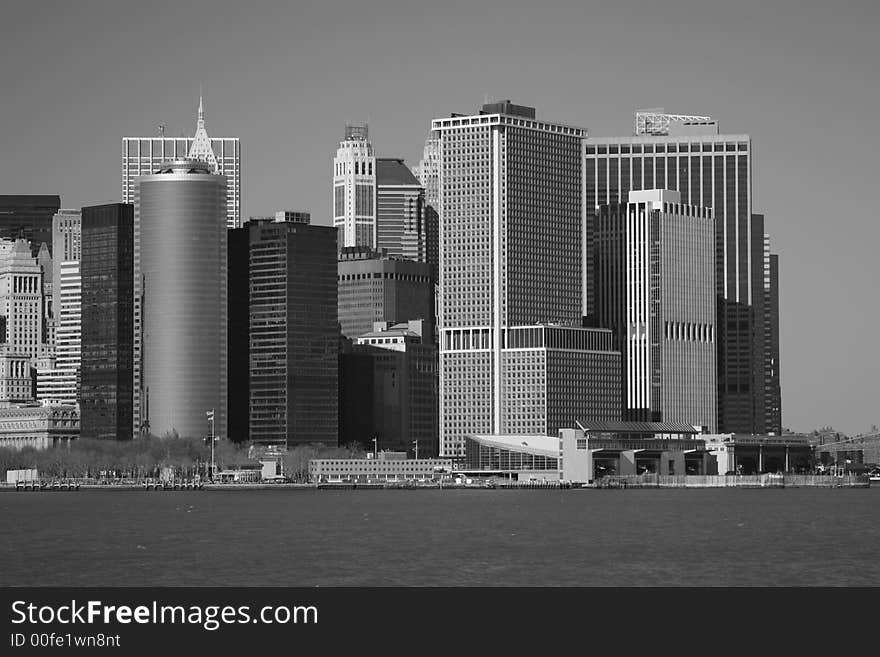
x=716, y=537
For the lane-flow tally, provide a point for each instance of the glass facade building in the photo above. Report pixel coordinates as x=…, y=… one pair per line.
x=30, y=216
x=107, y=273
x=180, y=293
x=294, y=334
x=708, y=170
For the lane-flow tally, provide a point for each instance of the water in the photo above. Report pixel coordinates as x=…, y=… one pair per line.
x=791, y=537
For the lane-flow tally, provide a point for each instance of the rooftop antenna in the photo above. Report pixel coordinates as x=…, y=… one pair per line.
x=161, y=129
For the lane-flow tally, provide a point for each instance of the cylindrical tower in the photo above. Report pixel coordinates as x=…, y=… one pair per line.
x=181, y=213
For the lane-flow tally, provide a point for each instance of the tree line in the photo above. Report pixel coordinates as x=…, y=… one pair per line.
x=147, y=457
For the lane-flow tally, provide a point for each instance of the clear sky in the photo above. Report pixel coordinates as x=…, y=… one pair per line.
x=800, y=77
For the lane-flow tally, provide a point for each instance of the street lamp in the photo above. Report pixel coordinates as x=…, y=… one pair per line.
x=210, y=415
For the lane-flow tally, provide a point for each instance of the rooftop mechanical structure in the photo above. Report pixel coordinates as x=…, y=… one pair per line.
x=655, y=121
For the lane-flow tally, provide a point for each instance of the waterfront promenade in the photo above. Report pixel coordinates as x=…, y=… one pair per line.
x=609, y=482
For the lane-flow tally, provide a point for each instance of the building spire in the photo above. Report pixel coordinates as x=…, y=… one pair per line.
x=201, y=147
x=201, y=121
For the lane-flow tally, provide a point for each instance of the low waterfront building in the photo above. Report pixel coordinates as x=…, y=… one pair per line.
x=39, y=427
x=581, y=455
x=381, y=468
x=756, y=454
x=522, y=458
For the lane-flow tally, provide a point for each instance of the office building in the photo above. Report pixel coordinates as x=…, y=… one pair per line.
x=294, y=334
x=512, y=353
x=143, y=155
x=180, y=300
x=655, y=288
x=400, y=211
x=688, y=154
x=390, y=390
x=59, y=383
x=354, y=189
x=16, y=377
x=29, y=216
x=47, y=268
x=238, y=331
x=428, y=173
x=376, y=288
x=21, y=302
x=765, y=304
x=107, y=352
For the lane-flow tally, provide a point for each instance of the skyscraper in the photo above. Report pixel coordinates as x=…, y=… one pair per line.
x=655, y=273
x=765, y=303
x=59, y=384
x=687, y=154
x=142, y=155
x=354, y=189
x=428, y=173
x=400, y=211
x=107, y=274
x=180, y=296
x=511, y=224
x=30, y=217
x=376, y=288
x=294, y=334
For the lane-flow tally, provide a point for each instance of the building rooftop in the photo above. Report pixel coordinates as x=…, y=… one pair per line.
x=536, y=445
x=392, y=171
x=638, y=427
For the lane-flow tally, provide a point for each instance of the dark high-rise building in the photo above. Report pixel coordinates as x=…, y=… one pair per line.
x=687, y=154
x=294, y=334
x=29, y=216
x=238, y=332
x=390, y=390
x=376, y=288
x=765, y=307
x=773, y=387
x=106, y=268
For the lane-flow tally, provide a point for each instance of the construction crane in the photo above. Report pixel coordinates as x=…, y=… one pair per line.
x=655, y=121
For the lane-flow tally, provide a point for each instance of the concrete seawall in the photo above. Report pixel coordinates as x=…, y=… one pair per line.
x=733, y=481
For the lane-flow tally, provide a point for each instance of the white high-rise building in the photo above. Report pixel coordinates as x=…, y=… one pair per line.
x=513, y=355
x=58, y=375
x=143, y=155
x=354, y=189
x=60, y=385
x=655, y=273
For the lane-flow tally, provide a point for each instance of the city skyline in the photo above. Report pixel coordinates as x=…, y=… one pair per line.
x=790, y=106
